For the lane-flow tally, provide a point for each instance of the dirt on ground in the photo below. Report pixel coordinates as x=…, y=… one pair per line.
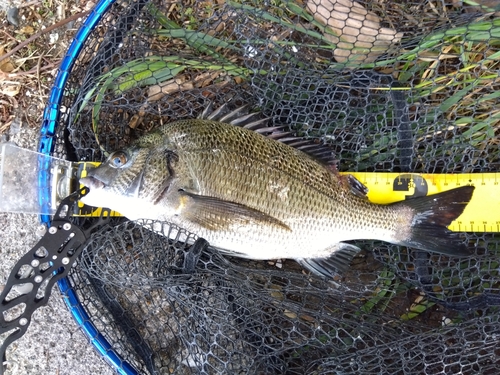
x=34, y=37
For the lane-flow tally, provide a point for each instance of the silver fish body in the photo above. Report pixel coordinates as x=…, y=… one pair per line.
x=255, y=197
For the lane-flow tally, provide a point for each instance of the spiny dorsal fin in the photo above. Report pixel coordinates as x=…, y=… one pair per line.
x=253, y=121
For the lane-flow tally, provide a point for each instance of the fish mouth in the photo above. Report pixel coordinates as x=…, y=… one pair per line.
x=92, y=183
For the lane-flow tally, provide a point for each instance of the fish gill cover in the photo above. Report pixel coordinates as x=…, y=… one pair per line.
x=389, y=86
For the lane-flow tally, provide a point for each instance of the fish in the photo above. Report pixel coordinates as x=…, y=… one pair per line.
x=258, y=192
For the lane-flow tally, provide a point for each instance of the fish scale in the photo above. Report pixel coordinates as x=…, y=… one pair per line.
x=253, y=196
x=322, y=181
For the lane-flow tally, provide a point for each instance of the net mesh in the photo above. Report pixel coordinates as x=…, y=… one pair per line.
x=390, y=86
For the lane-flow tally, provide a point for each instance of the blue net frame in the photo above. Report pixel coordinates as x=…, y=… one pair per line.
x=50, y=123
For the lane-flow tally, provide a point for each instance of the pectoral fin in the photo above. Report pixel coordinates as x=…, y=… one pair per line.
x=340, y=260
x=217, y=214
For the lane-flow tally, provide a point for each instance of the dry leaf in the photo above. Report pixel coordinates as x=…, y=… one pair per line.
x=10, y=88
x=6, y=65
x=356, y=31
x=135, y=121
x=27, y=30
x=158, y=91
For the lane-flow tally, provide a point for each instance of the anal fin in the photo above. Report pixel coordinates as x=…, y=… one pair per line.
x=339, y=260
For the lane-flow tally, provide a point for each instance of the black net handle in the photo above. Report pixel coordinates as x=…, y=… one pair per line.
x=31, y=280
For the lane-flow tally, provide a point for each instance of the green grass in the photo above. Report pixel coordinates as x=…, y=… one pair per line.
x=466, y=89
x=470, y=81
x=144, y=72
x=389, y=285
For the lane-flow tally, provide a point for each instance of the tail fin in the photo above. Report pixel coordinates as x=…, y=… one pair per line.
x=432, y=216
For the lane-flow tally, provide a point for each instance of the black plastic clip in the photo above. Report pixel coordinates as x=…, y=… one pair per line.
x=31, y=280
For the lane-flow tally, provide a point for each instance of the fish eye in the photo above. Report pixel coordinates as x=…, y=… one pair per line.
x=118, y=159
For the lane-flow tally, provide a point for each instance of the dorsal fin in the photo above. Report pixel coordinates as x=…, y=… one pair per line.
x=253, y=121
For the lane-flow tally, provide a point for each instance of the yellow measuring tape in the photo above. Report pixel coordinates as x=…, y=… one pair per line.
x=482, y=214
